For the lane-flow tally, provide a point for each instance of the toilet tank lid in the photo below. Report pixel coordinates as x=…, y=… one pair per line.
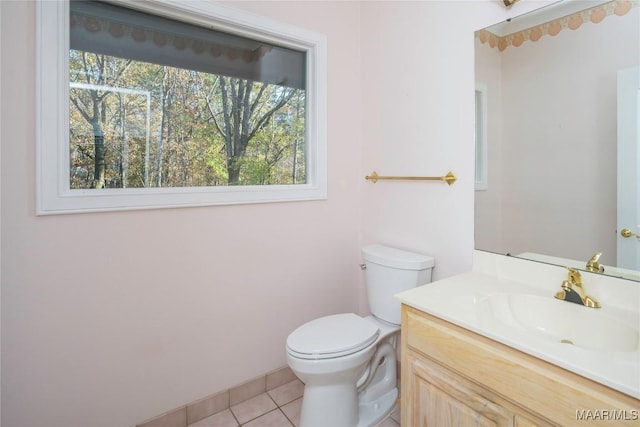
x=396, y=258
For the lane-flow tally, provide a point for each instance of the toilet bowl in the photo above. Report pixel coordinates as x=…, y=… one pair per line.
x=348, y=362
x=334, y=377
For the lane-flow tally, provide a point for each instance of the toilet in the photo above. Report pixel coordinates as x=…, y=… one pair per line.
x=348, y=362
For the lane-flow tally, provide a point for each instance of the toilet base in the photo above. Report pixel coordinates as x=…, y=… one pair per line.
x=339, y=404
x=335, y=406
x=371, y=413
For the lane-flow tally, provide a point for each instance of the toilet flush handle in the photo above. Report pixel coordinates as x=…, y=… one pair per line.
x=363, y=267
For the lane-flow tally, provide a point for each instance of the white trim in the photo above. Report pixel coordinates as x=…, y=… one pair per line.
x=52, y=109
x=1, y=117
x=481, y=164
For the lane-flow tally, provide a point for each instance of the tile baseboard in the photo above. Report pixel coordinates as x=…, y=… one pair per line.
x=217, y=402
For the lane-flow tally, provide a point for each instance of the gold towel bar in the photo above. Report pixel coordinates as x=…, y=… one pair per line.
x=449, y=178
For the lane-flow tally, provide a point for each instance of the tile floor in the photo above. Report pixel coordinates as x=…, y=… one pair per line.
x=279, y=407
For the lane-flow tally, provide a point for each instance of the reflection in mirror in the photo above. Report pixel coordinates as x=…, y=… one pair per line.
x=481, y=136
x=551, y=80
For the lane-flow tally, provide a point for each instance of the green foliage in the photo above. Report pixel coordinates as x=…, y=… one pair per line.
x=135, y=124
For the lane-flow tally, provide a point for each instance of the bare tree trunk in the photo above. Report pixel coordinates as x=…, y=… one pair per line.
x=100, y=165
x=124, y=151
x=163, y=120
x=95, y=74
x=294, y=169
x=233, y=170
x=240, y=104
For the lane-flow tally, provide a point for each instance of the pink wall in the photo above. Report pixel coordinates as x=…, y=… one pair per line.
x=109, y=319
x=418, y=120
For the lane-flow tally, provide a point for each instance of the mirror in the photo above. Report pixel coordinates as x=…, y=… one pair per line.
x=550, y=123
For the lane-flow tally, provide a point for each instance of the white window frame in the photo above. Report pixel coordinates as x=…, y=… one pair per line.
x=54, y=195
x=481, y=164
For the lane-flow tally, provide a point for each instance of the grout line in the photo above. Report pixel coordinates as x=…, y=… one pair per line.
x=279, y=408
x=234, y=417
x=262, y=415
x=285, y=415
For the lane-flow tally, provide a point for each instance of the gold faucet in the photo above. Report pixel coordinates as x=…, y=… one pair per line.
x=593, y=265
x=573, y=291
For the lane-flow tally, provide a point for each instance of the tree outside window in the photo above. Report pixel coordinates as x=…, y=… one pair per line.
x=135, y=123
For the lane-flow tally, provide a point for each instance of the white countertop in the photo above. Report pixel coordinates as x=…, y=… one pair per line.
x=459, y=300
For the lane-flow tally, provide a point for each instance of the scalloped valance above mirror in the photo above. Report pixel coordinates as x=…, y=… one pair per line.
x=550, y=79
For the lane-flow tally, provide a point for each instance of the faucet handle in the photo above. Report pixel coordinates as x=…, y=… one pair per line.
x=593, y=265
x=573, y=291
x=574, y=277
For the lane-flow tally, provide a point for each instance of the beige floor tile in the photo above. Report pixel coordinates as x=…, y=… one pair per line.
x=272, y=419
x=392, y=420
x=388, y=422
x=287, y=393
x=395, y=415
x=253, y=408
x=221, y=419
x=292, y=411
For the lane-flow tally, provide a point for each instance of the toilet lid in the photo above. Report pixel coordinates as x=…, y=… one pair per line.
x=332, y=336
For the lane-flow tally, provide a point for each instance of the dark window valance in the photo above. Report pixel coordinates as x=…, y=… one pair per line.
x=116, y=31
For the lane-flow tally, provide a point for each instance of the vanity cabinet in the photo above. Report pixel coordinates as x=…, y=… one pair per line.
x=441, y=398
x=454, y=377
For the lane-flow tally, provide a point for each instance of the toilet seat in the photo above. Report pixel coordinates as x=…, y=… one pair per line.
x=332, y=336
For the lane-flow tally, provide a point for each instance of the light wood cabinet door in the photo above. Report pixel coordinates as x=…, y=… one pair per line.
x=525, y=422
x=441, y=398
x=454, y=377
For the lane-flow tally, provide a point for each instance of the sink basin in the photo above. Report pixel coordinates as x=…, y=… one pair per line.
x=562, y=322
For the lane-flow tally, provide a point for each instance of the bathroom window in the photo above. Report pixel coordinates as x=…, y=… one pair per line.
x=176, y=104
x=481, y=137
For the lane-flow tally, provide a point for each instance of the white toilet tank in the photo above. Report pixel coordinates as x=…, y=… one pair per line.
x=390, y=271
